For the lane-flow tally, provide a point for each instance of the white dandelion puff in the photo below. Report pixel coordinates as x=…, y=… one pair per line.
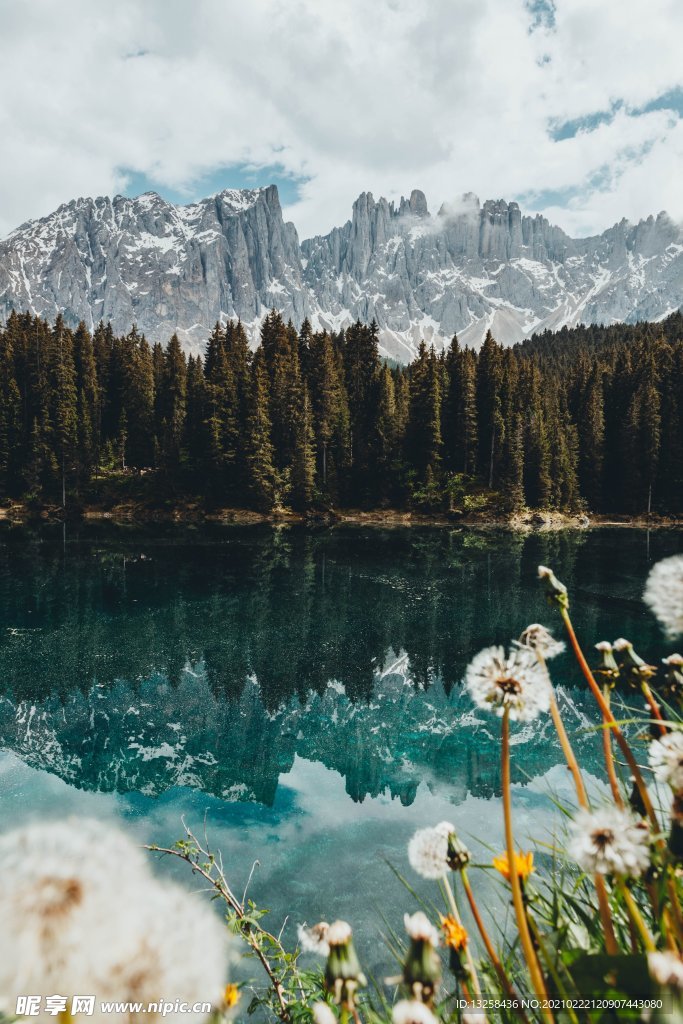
x=610, y=841
x=516, y=683
x=664, y=594
x=82, y=912
x=428, y=852
x=178, y=947
x=314, y=940
x=541, y=640
x=339, y=933
x=419, y=927
x=666, y=759
x=323, y=1014
x=412, y=1011
x=666, y=969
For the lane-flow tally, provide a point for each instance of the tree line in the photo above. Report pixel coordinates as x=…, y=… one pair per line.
x=589, y=417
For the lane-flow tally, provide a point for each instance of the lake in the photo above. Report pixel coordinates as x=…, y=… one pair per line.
x=298, y=689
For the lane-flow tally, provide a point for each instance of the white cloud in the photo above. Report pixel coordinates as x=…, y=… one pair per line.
x=445, y=95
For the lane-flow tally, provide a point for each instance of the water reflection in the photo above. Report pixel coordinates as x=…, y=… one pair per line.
x=299, y=690
x=137, y=661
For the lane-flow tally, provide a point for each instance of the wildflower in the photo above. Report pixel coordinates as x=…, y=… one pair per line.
x=666, y=969
x=428, y=853
x=632, y=665
x=422, y=968
x=556, y=592
x=664, y=594
x=608, y=668
x=516, y=683
x=610, y=841
x=323, y=1014
x=673, y=679
x=314, y=940
x=666, y=759
x=418, y=926
x=455, y=936
x=410, y=1011
x=343, y=974
x=457, y=856
x=675, y=841
x=231, y=996
x=541, y=640
x=82, y=912
x=524, y=865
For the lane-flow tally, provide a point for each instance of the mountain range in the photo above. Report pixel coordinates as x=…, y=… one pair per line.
x=469, y=268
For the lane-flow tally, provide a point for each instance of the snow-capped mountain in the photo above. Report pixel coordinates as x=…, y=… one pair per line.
x=466, y=269
x=151, y=736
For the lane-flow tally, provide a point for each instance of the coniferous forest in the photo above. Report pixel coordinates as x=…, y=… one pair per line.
x=585, y=418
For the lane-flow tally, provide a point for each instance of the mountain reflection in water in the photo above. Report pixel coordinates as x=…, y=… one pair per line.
x=137, y=660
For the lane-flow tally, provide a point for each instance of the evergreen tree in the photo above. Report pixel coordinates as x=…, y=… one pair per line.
x=260, y=453
x=489, y=407
x=303, y=464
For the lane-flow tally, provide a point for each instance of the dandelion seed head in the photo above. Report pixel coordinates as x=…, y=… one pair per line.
x=515, y=682
x=314, y=940
x=666, y=969
x=666, y=759
x=82, y=912
x=664, y=594
x=610, y=841
x=419, y=927
x=541, y=640
x=412, y=1011
x=324, y=1014
x=338, y=934
x=621, y=644
x=428, y=852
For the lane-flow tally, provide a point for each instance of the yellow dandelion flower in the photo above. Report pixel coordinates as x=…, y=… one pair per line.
x=455, y=936
x=524, y=865
x=231, y=996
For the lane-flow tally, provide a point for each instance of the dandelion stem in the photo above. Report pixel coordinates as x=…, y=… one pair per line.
x=582, y=798
x=486, y=939
x=533, y=964
x=567, y=750
x=605, y=916
x=654, y=707
x=607, y=750
x=468, y=952
x=609, y=719
x=637, y=917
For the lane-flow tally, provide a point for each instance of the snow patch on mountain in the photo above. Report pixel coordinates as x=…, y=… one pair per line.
x=470, y=268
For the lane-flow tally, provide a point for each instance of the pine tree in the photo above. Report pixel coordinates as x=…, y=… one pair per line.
x=63, y=402
x=489, y=407
x=303, y=464
x=10, y=418
x=172, y=405
x=260, y=453
x=87, y=405
x=423, y=437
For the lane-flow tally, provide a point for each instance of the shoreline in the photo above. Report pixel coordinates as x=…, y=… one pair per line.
x=193, y=513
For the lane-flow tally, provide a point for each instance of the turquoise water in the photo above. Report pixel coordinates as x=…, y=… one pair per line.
x=298, y=689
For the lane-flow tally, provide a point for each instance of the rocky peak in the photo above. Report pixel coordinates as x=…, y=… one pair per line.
x=471, y=268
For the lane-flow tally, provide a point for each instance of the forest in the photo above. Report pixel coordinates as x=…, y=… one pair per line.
x=588, y=418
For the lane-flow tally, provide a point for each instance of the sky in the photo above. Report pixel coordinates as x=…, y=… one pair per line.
x=570, y=107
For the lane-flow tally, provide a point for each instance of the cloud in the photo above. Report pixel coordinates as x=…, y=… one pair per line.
x=449, y=96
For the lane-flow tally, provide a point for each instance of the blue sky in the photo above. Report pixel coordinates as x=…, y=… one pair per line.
x=235, y=176
x=571, y=107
